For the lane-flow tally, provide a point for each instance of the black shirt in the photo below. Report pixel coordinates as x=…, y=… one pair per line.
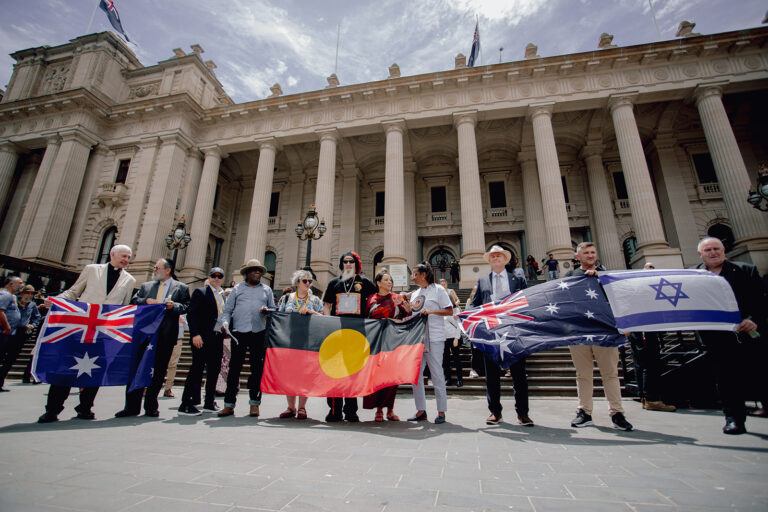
x=113, y=274
x=359, y=286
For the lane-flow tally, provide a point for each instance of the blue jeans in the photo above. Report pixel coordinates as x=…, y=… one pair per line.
x=552, y=274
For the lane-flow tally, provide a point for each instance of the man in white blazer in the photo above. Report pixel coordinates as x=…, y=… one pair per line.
x=107, y=283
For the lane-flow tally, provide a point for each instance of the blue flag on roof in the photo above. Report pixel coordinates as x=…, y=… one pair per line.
x=87, y=345
x=108, y=6
x=570, y=311
x=475, y=47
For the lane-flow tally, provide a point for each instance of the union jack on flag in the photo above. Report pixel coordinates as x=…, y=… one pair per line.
x=108, y=6
x=570, y=311
x=89, y=345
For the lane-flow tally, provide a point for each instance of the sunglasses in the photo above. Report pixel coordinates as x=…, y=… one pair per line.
x=306, y=281
x=217, y=276
x=348, y=261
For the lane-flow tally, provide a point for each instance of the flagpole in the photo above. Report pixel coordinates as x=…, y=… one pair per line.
x=93, y=15
x=653, y=14
x=338, y=36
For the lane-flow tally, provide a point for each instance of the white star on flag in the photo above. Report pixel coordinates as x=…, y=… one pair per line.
x=85, y=364
x=563, y=285
x=589, y=337
x=589, y=314
x=592, y=294
x=150, y=346
x=551, y=308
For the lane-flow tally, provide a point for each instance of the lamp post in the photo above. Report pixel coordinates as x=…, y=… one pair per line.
x=177, y=239
x=757, y=197
x=309, y=229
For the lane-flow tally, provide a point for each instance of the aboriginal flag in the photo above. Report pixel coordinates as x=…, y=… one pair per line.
x=312, y=355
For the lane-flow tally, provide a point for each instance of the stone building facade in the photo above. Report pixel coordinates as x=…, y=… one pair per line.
x=643, y=149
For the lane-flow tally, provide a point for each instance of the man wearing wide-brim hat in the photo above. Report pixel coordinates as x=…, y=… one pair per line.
x=245, y=309
x=493, y=288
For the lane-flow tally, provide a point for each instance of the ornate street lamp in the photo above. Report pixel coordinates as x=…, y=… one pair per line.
x=177, y=239
x=758, y=197
x=309, y=229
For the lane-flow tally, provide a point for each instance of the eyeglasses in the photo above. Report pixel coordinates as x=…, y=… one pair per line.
x=306, y=281
x=347, y=262
x=156, y=267
x=217, y=276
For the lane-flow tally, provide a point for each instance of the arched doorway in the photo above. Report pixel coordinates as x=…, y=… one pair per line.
x=723, y=233
x=441, y=263
x=513, y=260
x=376, y=261
x=629, y=246
x=107, y=242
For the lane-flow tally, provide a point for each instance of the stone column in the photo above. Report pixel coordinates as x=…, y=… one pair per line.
x=394, y=196
x=324, y=202
x=411, y=239
x=552, y=197
x=608, y=247
x=258, y=225
x=292, y=260
x=193, y=170
x=160, y=212
x=18, y=201
x=749, y=225
x=201, y=222
x=535, y=231
x=139, y=179
x=33, y=201
x=651, y=243
x=350, y=202
x=50, y=227
x=472, y=223
x=9, y=157
x=90, y=182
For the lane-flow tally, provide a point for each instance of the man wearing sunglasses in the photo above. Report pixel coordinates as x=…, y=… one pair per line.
x=347, y=296
x=206, y=305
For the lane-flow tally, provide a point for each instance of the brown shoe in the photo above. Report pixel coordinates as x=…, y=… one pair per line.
x=525, y=420
x=254, y=411
x=659, y=406
x=226, y=411
x=168, y=394
x=493, y=419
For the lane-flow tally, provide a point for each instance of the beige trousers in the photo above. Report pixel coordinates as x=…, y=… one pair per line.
x=172, y=364
x=608, y=363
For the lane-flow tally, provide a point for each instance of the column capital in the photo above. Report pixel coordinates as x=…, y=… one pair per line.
x=7, y=146
x=468, y=116
x=538, y=109
x=528, y=155
x=394, y=125
x=329, y=134
x=176, y=138
x=707, y=90
x=213, y=151
x=269, y=143
x=78, y=136
x=350, y=171
x=625, y=99
x=591, y=150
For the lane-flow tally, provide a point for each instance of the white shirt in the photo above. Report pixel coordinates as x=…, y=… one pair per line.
x=432, y=297
x=500, y=285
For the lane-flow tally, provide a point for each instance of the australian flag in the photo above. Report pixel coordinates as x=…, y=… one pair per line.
x=475, y=47
x=570, y=311
x=108, y=6
x=87, y=345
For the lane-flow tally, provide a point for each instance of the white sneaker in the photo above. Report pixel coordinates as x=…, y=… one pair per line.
x=473, y=373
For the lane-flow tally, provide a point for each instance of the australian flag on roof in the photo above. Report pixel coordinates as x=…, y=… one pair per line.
x=570, y=311
x=87, y=345
x=475, y=47
x=108, y=6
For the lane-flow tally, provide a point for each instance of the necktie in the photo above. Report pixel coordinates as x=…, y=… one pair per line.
x=219, y=300
x=497, y=291
x=160, y=291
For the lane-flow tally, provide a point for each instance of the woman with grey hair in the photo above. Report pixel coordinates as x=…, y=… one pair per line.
x=304, y=302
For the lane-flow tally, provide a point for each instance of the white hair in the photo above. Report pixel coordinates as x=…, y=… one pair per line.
x=301, y=273
x=705, y=239
x=116, y=249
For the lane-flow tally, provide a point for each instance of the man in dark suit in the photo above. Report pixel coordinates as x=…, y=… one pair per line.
x=207, y=345
x=730, y=352
x=493, y=287
x=163, y=289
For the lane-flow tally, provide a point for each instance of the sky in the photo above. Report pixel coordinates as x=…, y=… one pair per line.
x=256, y=43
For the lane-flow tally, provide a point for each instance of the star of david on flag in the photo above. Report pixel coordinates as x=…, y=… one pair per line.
x=570, y=311
x=88, y=345
x=671, y=300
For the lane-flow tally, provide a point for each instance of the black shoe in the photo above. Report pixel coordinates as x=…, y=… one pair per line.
x=332, y=418
x=620, y=422
x=439, y=420
x=419, y=417
x=86, y=415
x=734, y=428
x=212, y=407
x=47, y=418
x=582, y=419
x=459, y=383
x=152, y=414
x=352, y=418
x=125, y=414
x=189, y=410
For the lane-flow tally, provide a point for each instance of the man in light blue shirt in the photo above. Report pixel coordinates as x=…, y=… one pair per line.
x=245, y=311
x=10, y=315
x=29, y=318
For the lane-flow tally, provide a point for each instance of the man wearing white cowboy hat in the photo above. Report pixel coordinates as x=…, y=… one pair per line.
x=245, y=309
x=494, y=287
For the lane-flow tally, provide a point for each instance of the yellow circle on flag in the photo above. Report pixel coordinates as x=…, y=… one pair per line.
x=343, y=353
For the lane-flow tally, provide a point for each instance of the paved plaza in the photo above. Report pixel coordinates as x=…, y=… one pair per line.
x=673, y=461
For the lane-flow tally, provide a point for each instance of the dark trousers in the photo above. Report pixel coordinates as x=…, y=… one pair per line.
x=451, y=352
x=647, y=361
x=493, y=386
x=58, y=394
x=9, y=352
x=349, y=406
x=478, y=361
x=382, y=398
x=209, y=356
x=252, y=342
x=163, y=350
x=729, y=358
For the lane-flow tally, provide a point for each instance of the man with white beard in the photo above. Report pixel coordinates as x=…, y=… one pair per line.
x=347, y=296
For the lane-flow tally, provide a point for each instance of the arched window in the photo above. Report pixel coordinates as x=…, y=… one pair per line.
x=376, y=260
x=722, y=232
x=630, y=248
x=107, y=242
x=441, y=263
x=270, y=261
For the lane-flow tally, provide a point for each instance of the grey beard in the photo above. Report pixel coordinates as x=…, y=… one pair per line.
x=347, y=274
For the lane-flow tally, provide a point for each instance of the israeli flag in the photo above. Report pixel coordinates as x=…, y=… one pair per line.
x=671, y=300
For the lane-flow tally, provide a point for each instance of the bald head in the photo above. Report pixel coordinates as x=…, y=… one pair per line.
x=712, y=252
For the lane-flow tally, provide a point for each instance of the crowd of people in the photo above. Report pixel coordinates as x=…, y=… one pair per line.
x=227, y=326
